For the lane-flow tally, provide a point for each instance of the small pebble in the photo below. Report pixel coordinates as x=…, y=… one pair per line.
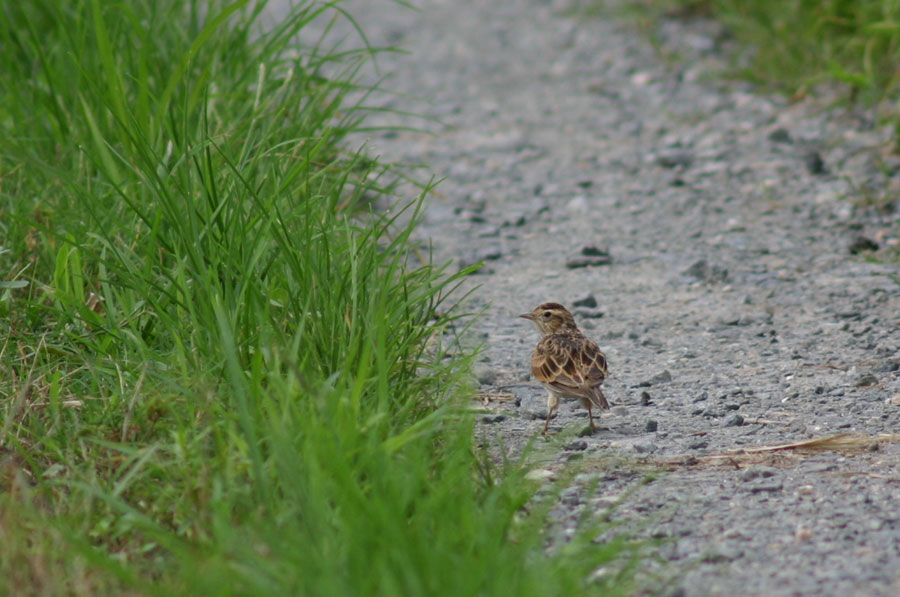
x=581, y=261
x=756, y=472
x=540, y=474
x=734, y=420
x=866, y=380
x=780, y=135
x=594, y=251
x=516, y=221
x=766, y=488
x=576, y=446
x=643, y=446
x=590, y=255
x=719, y=557
x=585, y=300
x=888, y=366
x=664, y=376
x=645, y=399
x=703, y=271
x=492, y=418
x=821, y=467
x=578, y=204
x=537, y=414
x=674, y=159
x=651, y=425
x=485, y=374
x=862, y=243
x=814, y=163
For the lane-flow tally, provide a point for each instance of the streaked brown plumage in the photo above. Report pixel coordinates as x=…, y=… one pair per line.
x=565, y=362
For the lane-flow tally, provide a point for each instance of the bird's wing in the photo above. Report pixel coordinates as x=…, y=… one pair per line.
x=569, y=365
x=592, y=363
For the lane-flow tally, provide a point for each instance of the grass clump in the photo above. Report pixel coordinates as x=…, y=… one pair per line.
x=796, y=45
x=221, y=372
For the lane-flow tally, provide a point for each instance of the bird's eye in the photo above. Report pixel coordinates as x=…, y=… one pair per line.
x=547, y=314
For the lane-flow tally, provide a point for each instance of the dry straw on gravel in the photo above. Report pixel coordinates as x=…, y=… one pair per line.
x=786, y=454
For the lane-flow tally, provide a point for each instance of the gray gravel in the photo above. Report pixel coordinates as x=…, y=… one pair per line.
x=708, y=237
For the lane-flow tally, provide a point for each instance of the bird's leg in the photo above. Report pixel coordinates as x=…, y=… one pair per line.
x=552, y=403
x=591, y=416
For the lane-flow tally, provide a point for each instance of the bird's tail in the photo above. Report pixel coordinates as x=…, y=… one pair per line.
x=598, y=399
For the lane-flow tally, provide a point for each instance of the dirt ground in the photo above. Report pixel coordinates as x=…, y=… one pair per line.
x=714, y=241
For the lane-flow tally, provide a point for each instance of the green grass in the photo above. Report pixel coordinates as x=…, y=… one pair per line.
x=796, y=45
x=222, y=372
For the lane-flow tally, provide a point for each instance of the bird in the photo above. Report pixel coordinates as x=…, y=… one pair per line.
x=565, y=362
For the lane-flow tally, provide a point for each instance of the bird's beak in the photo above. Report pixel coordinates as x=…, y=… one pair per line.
x=527, y=316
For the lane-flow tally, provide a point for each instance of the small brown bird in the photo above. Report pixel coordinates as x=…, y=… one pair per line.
x=565, y=362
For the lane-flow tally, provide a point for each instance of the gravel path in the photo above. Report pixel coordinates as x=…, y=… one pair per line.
x=706, y=233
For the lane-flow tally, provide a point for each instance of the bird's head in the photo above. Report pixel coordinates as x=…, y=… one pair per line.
x=550, y=318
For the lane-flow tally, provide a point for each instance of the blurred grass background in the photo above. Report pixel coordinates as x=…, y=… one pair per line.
x=222, y=372
x=795, y=45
